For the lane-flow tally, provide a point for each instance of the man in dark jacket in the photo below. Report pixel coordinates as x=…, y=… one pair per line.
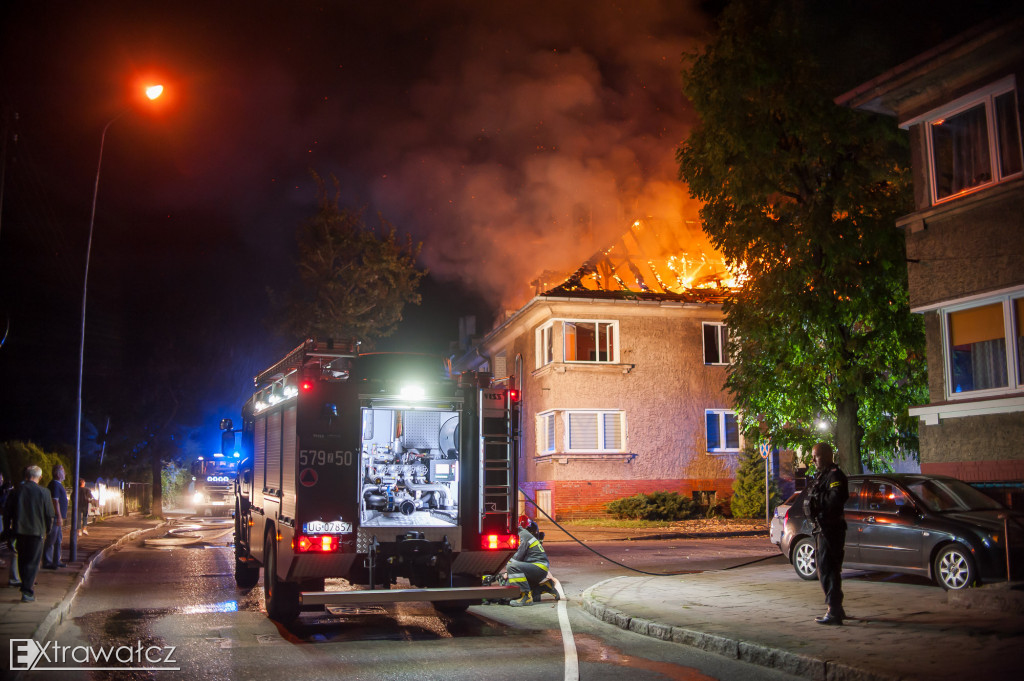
x=528, y=568
x=824, y=506
x=33, y=518
x=52, y=550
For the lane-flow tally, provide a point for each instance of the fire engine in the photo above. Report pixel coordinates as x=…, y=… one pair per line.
x=371, y=468
x=214, y=484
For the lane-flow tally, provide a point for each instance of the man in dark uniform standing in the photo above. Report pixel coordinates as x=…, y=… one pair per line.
x=824, y=506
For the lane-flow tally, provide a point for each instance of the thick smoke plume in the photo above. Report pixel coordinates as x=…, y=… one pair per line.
x=537, y=135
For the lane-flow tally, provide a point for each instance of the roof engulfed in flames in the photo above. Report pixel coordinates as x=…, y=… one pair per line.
x=654, y=259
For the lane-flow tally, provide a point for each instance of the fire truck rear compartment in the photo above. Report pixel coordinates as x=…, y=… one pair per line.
x=409, y=468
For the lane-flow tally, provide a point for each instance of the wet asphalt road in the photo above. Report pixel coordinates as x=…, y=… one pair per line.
x=186, y=597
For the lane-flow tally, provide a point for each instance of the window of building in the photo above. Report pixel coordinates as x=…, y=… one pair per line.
x=984, y=345
x=1018, y=323
x=716, y=343
x=501, y=365
x=545, y=345
x=586, y=341
x=723, y=431
x=595, y=431
x=546, y=432
x=975, y=142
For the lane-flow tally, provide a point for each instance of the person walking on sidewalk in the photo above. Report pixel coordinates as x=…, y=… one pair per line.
x=52, y=552
x=83, y=507
x=824, y=506
x=33, y=517
x=5, y=492
x=10, y=528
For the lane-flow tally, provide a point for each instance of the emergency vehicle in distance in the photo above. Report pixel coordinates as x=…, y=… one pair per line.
x=214, y=481
x=371, y=468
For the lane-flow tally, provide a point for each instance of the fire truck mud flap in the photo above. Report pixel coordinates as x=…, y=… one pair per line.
x=383, y=596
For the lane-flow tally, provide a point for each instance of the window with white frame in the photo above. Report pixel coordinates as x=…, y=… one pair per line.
x=589, y=341
x=595, y=431
x=546, y=432
x=983, y=346
x=545, y=345
x=723, y=430
x=975, y=141
x=716, y=343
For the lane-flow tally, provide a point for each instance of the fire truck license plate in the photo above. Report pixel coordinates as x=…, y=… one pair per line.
x=332, y=527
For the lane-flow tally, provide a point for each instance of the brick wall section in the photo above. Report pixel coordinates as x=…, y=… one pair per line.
x=977, y=471
x=581, y=499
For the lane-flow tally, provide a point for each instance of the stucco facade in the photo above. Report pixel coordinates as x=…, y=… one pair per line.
x=961, y=104
x=631, y=416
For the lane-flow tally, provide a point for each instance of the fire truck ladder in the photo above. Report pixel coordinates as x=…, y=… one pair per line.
x=497, y=467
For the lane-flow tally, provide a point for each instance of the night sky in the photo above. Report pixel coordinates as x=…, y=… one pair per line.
x=510, y=138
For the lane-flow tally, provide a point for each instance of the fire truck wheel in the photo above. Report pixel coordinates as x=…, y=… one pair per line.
x=453, y=608
x=247, y=573
x=282, y=597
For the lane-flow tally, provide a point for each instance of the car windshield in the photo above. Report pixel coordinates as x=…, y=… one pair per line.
x=951, y=495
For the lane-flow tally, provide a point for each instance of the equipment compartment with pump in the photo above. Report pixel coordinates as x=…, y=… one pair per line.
x=410, y=468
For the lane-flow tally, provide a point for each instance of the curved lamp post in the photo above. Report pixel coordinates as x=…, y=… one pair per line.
x=152, y=92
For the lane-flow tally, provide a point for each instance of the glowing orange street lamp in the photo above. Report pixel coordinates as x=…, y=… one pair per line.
x=152, y=92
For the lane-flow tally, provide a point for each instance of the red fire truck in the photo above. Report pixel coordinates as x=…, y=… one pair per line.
x=371, y=468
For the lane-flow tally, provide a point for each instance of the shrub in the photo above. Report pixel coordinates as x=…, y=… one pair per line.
x=15, y=455
x=652, y=506
x=748, y=488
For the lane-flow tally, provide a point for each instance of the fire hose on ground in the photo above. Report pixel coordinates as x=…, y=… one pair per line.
x=610, y=560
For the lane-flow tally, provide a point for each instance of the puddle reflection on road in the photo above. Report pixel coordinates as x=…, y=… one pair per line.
x=592, y=649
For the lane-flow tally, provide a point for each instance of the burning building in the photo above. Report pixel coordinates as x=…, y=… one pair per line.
x=621, y=367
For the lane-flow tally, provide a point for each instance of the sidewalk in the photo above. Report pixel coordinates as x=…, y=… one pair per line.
x=764, y=614
x=682, y=530
x=55, y=589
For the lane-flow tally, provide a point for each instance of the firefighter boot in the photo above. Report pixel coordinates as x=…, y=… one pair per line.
x=547, y=587
x=525, y=599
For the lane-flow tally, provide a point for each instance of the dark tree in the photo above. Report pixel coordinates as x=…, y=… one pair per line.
x=353, y=280
x=802, y=195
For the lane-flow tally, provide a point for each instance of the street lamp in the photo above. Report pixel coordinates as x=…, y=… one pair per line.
x=152, y=92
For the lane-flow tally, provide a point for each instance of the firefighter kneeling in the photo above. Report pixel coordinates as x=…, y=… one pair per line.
x=528, y=568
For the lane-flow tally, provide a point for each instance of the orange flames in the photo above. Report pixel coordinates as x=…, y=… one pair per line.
x=655, y=256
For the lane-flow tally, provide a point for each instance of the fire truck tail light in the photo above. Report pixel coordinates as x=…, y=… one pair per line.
x=513, y=395
x=499, y=542
x=306, y=385
x=316, y=543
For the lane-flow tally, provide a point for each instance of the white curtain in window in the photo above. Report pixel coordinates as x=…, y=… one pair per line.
x=612, y=431
x=583, y=430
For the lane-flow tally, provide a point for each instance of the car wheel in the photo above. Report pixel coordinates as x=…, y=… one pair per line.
x=954, y=568
x=804, y=561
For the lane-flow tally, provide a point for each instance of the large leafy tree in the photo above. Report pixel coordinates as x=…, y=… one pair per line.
x=803, y=195
x=353, y=280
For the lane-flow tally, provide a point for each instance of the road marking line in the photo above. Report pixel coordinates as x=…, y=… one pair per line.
x=572, y=664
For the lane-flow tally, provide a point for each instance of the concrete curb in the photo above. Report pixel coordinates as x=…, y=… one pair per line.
x=805, y=666
x=57, y=614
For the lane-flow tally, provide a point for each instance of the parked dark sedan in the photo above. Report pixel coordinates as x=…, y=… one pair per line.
x=928, y=525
